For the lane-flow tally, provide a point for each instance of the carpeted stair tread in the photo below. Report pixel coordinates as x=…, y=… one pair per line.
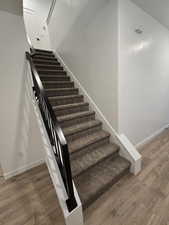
x=96, y=180
x=44, y=51
x=64, y=97
x=74, y=115
x=48, y=67
x=57, y=84
x=91, y=158
x=95, y=162
x=45, y=57
x=62, y=77
x=51, y=72
x=46, y=62
x=74, y=118
x=80, y=127
x=61, y=91
x=68, y=106
x=63, y=100
x=85, y=141
x=44, y=54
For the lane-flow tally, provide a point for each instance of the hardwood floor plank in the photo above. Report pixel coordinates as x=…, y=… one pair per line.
x=30, y=199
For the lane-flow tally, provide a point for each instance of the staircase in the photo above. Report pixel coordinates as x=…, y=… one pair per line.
x=95, y=162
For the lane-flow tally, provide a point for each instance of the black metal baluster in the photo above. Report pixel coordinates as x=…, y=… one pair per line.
x=56, y=137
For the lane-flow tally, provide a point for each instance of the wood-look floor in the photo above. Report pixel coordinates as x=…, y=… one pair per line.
x=29, y=199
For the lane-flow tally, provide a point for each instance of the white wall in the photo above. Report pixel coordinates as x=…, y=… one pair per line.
x=35, y=15
x=37, y=31
x=125, y=73
x=143, y=73
x=85, y=34
x=39, y=7
x=18, y=149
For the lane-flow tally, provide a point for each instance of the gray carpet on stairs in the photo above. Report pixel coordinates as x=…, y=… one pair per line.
x=95, y=162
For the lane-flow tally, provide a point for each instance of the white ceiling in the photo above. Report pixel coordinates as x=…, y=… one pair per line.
x=159, y=9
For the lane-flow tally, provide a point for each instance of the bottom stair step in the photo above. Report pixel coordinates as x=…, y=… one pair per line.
x=97, y=179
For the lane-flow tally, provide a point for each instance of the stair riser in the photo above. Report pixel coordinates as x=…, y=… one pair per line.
x=47, y=67
x=61, y=93
x=47, y=62
x=63, y=112
x=66, y=101
x=59, y=85
x=90, y=147
x=48, y=72
x=84, y=132
x=55, y=78
x=104, y=189
x=71, y=122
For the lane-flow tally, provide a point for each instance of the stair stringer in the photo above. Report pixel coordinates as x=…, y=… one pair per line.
x=127, y=149
x=76, y=216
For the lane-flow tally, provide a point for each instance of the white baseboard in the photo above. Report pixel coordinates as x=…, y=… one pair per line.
x=23, y=169
x=151, y=137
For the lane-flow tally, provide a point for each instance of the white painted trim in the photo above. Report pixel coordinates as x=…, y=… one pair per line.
x=129, y=152
x=151, y=137
x=23, y=169
x=115, y=137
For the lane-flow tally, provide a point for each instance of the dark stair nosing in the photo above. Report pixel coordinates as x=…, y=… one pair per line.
x=91, y=158
x=96, y=180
